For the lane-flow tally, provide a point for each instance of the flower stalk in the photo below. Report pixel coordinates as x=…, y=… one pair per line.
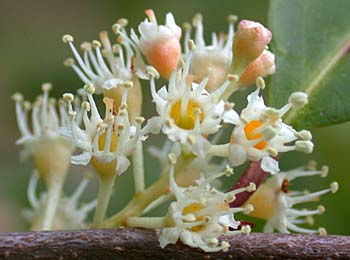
x=143, y=199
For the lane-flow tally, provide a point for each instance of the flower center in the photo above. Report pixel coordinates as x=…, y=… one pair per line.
x=192, y=208
x=252, y=134
x=185, y=120
x=106, y=168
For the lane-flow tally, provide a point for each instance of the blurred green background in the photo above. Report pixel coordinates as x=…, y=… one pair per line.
x=32, y=53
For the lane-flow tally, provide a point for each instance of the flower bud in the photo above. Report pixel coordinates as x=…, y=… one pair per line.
x=264, y=202
x=213, y=64
x=134, y=98
x=160, y=43
x=249, y=43
x=263, y=66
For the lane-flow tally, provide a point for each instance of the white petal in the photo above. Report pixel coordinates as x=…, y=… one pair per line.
x=170, y=22
x=237, y=154
x=231, y=117
x=112, y=83
x=269, y=164
x=229, y=221
x=153, y=126
x=81, y=159
x=201, y=146
x=168, y=236
x=123, y=164
x=163, y=93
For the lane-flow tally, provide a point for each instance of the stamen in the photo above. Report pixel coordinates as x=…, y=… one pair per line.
x=197, y=22
x=260, y=82
x=151, y=16
x=248, y=209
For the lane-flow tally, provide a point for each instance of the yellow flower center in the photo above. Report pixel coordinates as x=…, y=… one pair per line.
x=192, y=208
x=188, y=119
x=251, y=134
x=104, y=168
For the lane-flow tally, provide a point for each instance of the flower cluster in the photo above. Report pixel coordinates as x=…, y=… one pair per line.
x=192, y=110
x=70, y=215
x=276, y=202
x=201, y=214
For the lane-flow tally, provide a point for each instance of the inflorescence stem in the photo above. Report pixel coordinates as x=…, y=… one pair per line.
x=143, y=199
x=254, y=174
x=104, y=194
x=54, y=190
x=138, y=169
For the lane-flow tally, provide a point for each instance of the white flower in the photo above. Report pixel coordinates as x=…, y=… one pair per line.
x=212, y=60
x=260, y=132
x=188, y=111
x=280, y=213
x=106, y=142
x=201, y=214
x=69, y=214
x=44, y=137
x=108, y=67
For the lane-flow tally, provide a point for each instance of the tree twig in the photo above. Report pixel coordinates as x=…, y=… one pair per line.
x=127, y=243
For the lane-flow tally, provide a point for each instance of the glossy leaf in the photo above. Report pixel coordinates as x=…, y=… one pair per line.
x=311, y=41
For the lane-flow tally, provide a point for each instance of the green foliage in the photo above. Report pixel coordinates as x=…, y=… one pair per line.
x=311, y=39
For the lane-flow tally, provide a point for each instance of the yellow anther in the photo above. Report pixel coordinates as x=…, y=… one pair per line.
x=232, y=18
x=68, y=97
x=96, y=44
x=172, y=158
x=260, y=83
x=46, y=86
x=17, y=97
x=85, y=46
x=187, y=27
x=89, y=88
x=68, y=62
x=67, y=38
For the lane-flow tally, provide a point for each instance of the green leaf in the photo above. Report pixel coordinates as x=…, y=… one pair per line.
x=311, y=40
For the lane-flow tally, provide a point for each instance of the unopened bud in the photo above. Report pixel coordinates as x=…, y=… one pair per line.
x=249, y=43
x=263, y=66
x=161, y=47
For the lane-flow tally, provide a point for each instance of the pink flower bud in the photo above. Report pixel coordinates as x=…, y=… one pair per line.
x=263, y=66
x=250, y=41
x=160, y=43
x=214, y=64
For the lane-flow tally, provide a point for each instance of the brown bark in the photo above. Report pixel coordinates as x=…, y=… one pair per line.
x=126, y=243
